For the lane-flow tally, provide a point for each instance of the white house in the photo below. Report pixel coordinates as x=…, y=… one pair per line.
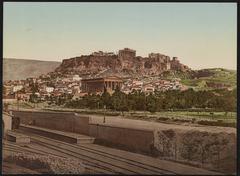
x=17, y=88
x=49, y=89
x=148, y=88
x=76, y=78
x=137, y=83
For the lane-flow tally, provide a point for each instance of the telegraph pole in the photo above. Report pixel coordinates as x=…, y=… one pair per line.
x=17, y=102
x=145, y=106
x=104, y=118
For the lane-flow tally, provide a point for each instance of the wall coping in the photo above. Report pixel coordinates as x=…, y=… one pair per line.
x=116, y=126
x=50, y=112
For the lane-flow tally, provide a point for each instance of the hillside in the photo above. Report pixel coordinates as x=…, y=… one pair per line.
x=203, y=79
x=126, y=64
x=212, y=78
x=17, y=69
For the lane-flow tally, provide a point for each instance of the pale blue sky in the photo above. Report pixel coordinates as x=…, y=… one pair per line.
x=202, y=35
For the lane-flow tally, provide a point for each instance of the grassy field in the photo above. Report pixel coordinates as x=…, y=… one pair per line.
x=204, y=115
x=221, y=118
x=203, y=118
x=26, y=105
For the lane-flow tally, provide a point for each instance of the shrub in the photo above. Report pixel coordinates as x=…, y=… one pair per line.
x=47, y=164
x=162, y=118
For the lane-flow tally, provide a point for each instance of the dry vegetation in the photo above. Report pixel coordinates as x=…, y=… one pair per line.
x=215, y=151
x=46, y=163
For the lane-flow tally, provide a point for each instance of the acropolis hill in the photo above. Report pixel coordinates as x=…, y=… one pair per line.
x=124, y=63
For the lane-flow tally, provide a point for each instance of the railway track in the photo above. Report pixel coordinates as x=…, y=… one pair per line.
x=103, y=161
x=34, y=149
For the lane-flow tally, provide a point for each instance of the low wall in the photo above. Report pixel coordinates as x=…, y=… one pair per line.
x=135, y=140
x=64, y=121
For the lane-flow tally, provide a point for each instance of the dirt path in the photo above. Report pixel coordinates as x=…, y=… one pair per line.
x=142, y=124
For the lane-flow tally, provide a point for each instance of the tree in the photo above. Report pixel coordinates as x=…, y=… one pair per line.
x=106, y=98
x=34, y=88
x=151, y=103
x=33, y=98
x=119, y=101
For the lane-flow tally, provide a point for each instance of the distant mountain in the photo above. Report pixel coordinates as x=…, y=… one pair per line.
x=17, y=69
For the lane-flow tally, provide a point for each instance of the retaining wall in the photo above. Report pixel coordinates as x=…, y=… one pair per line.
x=211, y=150
x=136, y=140
x=64, y=121
x=130, y=139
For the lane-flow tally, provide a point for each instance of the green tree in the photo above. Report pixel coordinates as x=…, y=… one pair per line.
x=151, y=103
x=106, y=99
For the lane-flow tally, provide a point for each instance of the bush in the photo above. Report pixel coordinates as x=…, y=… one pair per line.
x=162, y=118
x=46, y=163
x=181, y=120
x=217, y=123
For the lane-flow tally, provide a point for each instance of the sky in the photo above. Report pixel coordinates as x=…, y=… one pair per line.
x=201, y=35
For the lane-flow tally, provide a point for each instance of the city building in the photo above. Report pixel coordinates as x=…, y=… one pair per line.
x=148, y=88
x=17, y=88
x=76, y=78
x=137, y=83
x=7, y=89
x=49, y=89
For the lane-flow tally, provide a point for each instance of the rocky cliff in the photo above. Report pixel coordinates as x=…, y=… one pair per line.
x=122, y=66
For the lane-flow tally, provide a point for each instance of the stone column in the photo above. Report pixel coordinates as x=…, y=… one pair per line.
x=84, y=87
x=113, y=85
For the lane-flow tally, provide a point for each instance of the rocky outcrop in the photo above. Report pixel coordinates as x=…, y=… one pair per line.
x=142, y=66
x=88, y=64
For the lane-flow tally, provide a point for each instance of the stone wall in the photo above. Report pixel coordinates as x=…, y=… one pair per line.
x=64, y=121
x=135, y=140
